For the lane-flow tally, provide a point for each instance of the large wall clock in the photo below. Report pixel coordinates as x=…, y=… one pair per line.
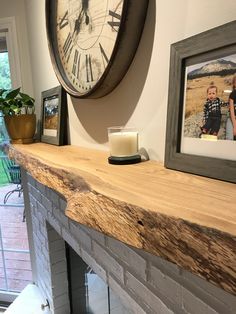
x=92, y=42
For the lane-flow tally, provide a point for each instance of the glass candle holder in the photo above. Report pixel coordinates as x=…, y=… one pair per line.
x=123, y=144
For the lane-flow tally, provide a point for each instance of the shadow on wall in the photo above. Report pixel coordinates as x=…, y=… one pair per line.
x=96, y=115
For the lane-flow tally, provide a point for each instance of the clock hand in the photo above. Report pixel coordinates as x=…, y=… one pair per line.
x=86, y=18
x=78, y=21
x=85, y=6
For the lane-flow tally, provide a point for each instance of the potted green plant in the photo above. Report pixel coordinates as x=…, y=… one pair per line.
x=18, y=111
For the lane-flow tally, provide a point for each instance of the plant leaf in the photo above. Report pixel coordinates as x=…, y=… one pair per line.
x=13, y=93
x=26, y=97
x=14, y=102
x=2, y=91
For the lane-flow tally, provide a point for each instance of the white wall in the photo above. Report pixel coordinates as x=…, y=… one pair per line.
x=16, y=8
x=141, y=97
x=203, y=15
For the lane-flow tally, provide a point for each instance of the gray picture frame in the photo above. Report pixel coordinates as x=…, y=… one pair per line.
x=192, y=50
x=60, y=136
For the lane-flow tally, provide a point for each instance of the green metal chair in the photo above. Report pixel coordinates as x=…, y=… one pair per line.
x=12, y=171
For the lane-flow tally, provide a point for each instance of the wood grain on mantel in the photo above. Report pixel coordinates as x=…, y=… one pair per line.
x=186, y=219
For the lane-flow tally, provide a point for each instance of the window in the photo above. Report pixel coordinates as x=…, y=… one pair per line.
x=15, y=269
x=5, y=74
x=9, y=58
x=9, y=63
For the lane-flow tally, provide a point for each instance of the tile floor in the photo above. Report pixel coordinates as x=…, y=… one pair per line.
x=14, y=237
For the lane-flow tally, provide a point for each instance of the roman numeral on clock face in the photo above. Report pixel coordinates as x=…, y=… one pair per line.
x=89, y=69
x=76, y=64
x=67, y=45
x=115, y=22
x=64, y=21
x=104, y=56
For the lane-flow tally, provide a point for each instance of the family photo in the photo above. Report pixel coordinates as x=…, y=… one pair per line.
x=210, y=100
x=50, y=121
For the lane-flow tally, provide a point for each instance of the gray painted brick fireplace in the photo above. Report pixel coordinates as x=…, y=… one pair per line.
x=143, y=282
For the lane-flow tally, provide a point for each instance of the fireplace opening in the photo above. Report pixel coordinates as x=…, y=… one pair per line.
x=88, y=293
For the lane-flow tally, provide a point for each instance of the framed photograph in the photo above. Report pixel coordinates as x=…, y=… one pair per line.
x=54, y=116
x=200, y=137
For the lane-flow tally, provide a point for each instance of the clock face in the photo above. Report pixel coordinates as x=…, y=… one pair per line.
x=92, y=42
x=86, y=36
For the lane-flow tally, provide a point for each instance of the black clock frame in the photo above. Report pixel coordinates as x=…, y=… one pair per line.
x=128, y=37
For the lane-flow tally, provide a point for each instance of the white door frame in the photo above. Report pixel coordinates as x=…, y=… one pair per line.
x=8, y=30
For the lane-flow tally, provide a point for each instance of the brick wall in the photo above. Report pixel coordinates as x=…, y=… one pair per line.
x=144, y=283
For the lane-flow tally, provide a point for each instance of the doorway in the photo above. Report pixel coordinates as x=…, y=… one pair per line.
x=15, y=266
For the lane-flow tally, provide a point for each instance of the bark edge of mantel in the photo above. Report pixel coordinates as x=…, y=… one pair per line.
x=204, y=250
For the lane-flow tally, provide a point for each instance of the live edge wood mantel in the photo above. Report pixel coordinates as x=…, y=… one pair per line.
x=186, y=219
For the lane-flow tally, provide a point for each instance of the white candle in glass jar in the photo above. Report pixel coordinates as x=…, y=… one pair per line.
x=123, y=143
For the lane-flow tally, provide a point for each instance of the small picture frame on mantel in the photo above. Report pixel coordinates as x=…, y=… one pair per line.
x=54, y=116
x=200, y=137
